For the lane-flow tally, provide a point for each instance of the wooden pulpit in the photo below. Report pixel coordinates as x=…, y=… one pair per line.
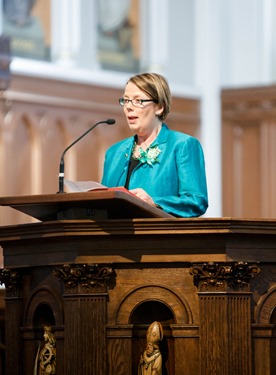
x=100, y=267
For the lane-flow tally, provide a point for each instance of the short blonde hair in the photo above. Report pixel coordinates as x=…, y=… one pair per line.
x=157, y=88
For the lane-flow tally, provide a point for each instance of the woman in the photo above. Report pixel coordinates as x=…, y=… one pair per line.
x=163, y=167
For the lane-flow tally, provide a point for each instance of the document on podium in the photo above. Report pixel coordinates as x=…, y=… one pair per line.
x=83, y=186
x=86, y=186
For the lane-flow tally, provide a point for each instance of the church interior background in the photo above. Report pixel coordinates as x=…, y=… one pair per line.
x=70, y=59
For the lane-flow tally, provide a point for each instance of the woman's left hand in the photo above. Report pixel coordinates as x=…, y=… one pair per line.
x=142, y=194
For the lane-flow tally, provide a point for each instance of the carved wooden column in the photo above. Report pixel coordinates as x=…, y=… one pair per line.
x=225, y=317
x=85, y=309
x=13, y=319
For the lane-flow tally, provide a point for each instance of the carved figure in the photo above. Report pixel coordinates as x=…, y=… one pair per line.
x=45, y=363
x=151, y=359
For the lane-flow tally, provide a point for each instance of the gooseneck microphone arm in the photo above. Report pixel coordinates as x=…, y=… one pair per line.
x=109, y=121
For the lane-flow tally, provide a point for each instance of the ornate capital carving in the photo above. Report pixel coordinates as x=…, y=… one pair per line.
x=215, y=277
x=85, y=278
x=12, y=280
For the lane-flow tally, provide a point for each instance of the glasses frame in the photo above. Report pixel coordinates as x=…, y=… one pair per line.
x=124, y=102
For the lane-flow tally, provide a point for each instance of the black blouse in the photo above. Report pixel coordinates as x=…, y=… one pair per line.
x=132, y=164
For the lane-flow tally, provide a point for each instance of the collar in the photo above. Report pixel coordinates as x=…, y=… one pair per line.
x=161, y=138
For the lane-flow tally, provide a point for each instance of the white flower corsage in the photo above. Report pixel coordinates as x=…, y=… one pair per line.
x=149, y=156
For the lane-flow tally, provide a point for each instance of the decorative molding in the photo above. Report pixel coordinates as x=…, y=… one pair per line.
x=57, y=101
x=215, y=277
x=85, y=278
x=265, y=307
x=182, y=311
x=253, y=102
x=12, y=280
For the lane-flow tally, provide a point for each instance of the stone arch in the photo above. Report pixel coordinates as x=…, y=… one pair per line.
x=179, y=307
x=266, y=307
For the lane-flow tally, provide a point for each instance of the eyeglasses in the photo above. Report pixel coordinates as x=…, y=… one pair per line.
x=135, y=102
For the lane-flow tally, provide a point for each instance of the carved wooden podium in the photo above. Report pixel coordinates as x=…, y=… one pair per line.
x=100, y=267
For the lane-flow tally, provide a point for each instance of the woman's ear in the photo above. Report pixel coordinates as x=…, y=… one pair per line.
x=159, y=111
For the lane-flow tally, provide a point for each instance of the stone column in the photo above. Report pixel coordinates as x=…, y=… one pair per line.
x=225, y=317
x=155, y=13
x=74, y=29
x=85, y=310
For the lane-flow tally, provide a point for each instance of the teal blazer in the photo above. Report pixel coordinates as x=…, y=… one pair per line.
x=177, y=182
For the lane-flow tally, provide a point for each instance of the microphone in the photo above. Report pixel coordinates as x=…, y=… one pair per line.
x=109, y=121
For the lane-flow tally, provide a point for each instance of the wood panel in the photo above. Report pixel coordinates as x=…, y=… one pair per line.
x=249, y=152
x=226, y=320
x=210, y=282
x=2, y=329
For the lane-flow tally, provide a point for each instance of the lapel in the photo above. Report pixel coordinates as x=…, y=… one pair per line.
x=124, y=158
x=162, y=136
x=126, y=150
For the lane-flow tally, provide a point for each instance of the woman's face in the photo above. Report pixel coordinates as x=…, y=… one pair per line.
x=141, y=120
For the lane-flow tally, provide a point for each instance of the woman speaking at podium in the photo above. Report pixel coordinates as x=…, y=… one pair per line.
x=165, y=168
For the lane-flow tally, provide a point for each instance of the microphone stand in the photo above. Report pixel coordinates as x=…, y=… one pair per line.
x=61, y=164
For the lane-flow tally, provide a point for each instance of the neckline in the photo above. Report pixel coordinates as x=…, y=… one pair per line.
x=147, y=144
